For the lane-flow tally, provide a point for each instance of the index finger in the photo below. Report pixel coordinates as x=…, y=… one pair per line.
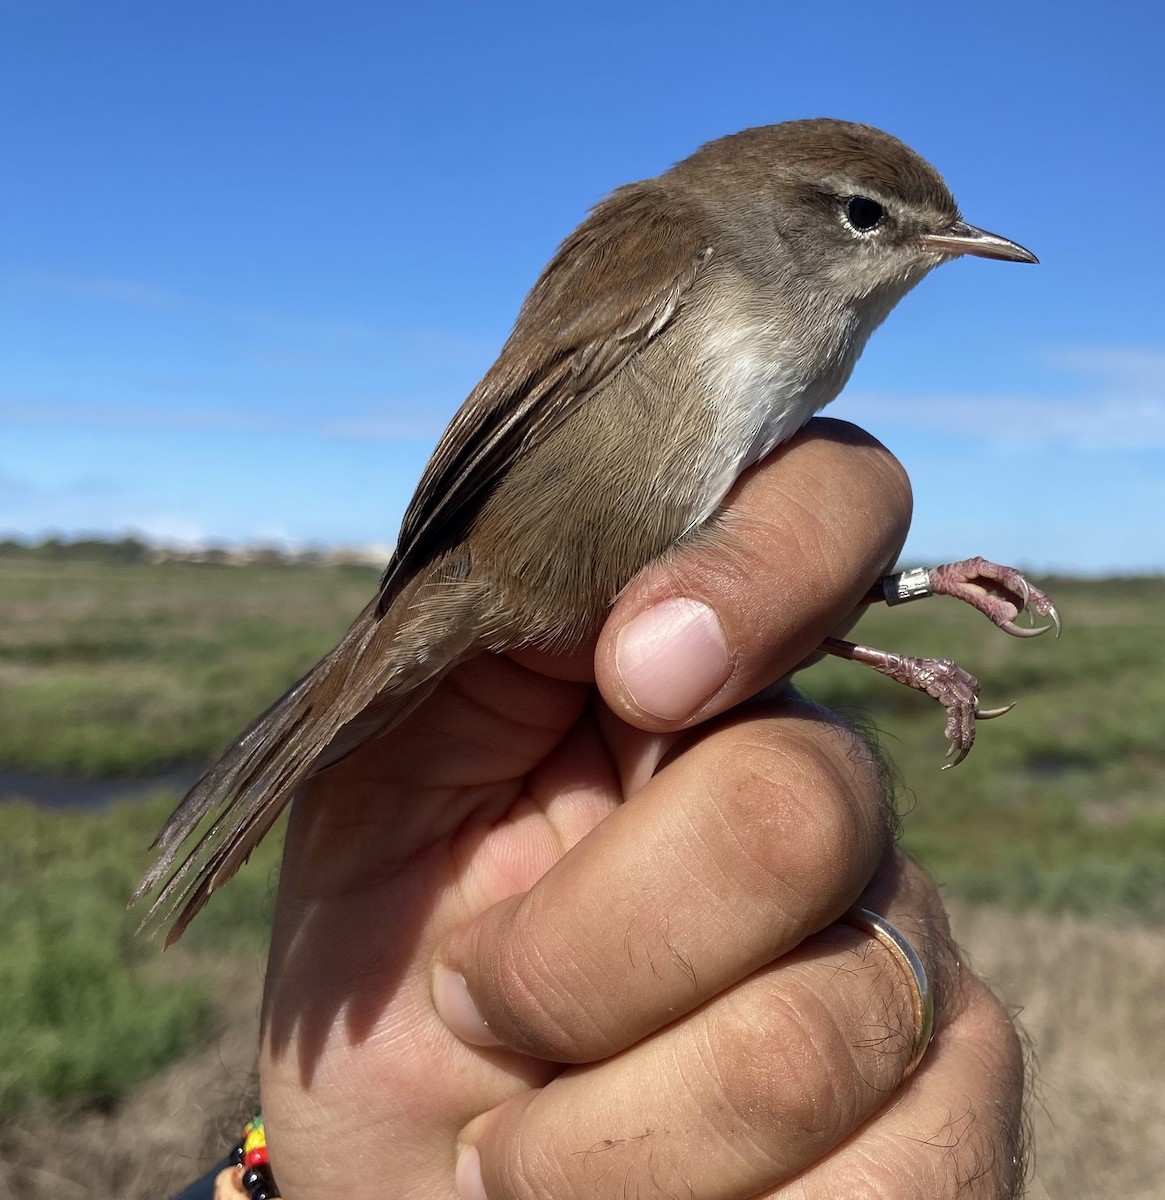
x=798, y=543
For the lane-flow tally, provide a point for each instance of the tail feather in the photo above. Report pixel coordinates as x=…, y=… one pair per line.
x=311, y=727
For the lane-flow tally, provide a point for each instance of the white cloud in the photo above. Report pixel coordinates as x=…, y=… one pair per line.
x=1127, y=368
x=1119, y=404
x=1104, y=422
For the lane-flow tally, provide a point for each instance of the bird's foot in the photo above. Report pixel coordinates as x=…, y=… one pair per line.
x=1000, y=593
x=955, y=689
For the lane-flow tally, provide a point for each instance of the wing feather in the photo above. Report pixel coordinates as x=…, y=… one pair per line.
x=615, y=283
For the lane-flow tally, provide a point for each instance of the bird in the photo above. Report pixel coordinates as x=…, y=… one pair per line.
x=693, y=322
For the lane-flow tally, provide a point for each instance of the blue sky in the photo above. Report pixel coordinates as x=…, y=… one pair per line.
x=256, y=254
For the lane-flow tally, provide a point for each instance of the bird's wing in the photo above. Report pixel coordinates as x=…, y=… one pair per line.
x=614, y=284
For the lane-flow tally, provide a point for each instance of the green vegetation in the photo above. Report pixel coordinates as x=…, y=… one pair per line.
x=89, y=1008
x=1060, y=804
x=128, y=668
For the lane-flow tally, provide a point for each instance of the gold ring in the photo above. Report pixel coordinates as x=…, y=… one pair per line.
x=908, y=958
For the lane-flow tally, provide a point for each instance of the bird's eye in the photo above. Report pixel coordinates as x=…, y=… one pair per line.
x=863, y=213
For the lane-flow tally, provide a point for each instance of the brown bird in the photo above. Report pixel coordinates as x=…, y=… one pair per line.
x=692, y=323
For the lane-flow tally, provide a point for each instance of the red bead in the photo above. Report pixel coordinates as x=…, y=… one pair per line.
x=256, y=1157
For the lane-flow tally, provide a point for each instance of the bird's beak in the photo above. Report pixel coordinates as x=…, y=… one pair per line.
x=961, y=238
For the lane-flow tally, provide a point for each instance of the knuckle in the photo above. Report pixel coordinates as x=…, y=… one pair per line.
x=895, y=484
x=813, y=804
x=797, y=797
x=776, y=1069
x=955, y=1163
x=873, y=467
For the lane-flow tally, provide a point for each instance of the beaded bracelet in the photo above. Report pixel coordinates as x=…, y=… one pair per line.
x=251, y=1155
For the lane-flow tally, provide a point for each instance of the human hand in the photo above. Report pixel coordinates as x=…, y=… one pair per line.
x=643, y=887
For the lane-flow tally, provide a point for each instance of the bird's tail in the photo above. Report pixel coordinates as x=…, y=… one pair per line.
x=359, y=689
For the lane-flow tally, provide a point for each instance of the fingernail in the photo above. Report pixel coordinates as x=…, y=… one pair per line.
x=456, y=1008
x=672, y=658
x=468, y=1175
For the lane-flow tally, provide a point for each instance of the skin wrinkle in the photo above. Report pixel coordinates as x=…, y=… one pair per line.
x=797, y=1028
x=744, y=542
x=842, y=826
x=662, y=927
x=606, y=1146
x=748, y=559
x=965, y=1146
x=602, y=1022
x=819, y=542
x=705, y=1053
x=606, y=1117
x=656, y=1183
x=837, y=834
x=810, y=794
x=528, y=1156
x=812, y=541
x=475, y=887
x=480, y=733
x=608, y=1032
x=739, y=541
x=705, y=851
x=488, y=705
x=527, y=987
x=951, y=1146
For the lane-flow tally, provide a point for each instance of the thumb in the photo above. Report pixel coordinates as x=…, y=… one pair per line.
x=794, y=548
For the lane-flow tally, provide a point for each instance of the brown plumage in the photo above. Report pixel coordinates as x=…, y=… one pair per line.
x=690, y=324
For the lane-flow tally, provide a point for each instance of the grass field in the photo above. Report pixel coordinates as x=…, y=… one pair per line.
x=128, y=670
x=124, y=670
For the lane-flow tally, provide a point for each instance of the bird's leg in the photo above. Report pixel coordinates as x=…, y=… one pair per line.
x=999, y=593
x=955, y=689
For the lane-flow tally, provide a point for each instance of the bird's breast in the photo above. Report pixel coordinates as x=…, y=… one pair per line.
x=762, y=389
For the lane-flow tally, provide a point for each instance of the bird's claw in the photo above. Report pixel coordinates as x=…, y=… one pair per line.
x=945, y=681
x=954, y=748
x=940, y=678
x=1000, y=593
